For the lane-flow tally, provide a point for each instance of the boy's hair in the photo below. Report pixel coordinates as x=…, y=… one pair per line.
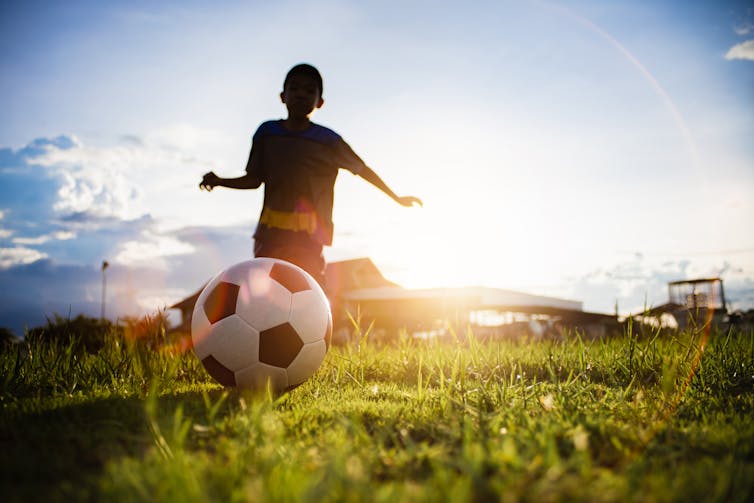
x=309, y=71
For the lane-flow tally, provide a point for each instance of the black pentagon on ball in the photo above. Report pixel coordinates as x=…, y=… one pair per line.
x=221, y=301
x=279, y=346
x=219, y=372
x=289, y=277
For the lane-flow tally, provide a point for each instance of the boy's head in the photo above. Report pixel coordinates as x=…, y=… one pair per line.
x=305, y=70
x=302, y=90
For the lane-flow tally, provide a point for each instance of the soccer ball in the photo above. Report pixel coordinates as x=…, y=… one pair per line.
x=261, y=321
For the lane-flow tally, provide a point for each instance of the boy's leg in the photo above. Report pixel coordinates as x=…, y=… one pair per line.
x=308, y=258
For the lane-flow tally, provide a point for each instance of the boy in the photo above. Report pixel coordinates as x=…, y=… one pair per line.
x=298, y=161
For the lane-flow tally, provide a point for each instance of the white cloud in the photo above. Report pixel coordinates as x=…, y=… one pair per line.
x=10, y=257
x=744, y=50
x=152, y=300
x=39, y=240
x=151, y=251
x=4, y=233
x=134, y=178
x=94, y=181
x=638, y=281
x=64, y=235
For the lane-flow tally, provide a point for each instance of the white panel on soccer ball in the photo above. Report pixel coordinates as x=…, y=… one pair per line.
x=262, y=302
x=201, y=326
x=267, y=262
x=309, y=315
x=256, y=377
x=240, y=273
x=306, y=363
x=234, y=343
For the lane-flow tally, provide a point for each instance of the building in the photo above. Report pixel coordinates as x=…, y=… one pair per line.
x=363, y=299
x=360, y=291
x=692, y=303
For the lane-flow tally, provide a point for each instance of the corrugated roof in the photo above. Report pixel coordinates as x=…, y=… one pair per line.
x=480, y=297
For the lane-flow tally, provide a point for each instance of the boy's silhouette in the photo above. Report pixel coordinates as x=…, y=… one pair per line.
x=298, y=162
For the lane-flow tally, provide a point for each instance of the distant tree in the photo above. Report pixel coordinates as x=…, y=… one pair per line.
x=91, y=334
x=7, y=338
x=84, y=332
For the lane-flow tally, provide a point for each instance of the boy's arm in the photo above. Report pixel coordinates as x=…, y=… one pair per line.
x=370, y=176
x=247, y=181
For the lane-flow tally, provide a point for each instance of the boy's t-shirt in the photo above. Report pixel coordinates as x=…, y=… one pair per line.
x=298, y=169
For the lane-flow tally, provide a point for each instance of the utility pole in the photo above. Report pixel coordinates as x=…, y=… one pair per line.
x=105, y=265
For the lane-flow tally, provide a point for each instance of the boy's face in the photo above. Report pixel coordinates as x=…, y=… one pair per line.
x=301, y=96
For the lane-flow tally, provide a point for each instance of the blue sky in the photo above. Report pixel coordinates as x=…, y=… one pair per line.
x=585, y=149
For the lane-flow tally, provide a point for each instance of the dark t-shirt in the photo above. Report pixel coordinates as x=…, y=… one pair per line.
x=298, y=169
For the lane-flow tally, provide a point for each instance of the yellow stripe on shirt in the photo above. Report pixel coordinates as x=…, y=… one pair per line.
x=292, y=221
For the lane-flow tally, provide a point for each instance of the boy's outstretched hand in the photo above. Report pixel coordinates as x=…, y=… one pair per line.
x=409, y=201
x=370, y=176
x=209, y=181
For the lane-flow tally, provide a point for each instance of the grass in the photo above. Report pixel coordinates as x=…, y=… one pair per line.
x=632, y=418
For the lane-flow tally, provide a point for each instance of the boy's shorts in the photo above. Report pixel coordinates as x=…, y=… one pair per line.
x=308, y=257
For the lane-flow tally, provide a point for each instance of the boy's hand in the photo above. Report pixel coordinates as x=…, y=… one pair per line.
x=209, y=181
x=409, y=201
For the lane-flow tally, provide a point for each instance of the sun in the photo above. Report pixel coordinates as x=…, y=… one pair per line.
x=432, y=247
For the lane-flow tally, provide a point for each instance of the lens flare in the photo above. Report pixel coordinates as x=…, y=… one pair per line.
x=667, y=101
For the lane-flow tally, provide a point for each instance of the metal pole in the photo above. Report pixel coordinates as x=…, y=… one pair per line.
x=105, y=265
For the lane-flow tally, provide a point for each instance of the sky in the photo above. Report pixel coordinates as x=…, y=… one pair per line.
x=583, y=149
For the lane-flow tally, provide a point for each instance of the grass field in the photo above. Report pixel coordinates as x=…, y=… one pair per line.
x=633, y=418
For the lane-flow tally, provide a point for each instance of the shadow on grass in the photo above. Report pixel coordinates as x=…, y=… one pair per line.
x=60, y=453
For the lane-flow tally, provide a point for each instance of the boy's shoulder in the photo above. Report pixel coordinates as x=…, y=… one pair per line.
x=315, y=132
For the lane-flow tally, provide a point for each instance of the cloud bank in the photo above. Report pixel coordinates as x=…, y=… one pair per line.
x=638, y=282
x=136, y=205
x=102, y=203
x=744, y=50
